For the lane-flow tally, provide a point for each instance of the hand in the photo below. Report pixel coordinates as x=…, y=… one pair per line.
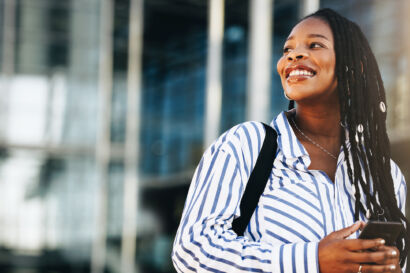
x=338, y=254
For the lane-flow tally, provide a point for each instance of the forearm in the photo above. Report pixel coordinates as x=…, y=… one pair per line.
x=203, y=249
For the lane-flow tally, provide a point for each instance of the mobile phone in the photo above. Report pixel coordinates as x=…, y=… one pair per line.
x=389, y=231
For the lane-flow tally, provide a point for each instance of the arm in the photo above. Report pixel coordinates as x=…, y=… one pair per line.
x=205, y=241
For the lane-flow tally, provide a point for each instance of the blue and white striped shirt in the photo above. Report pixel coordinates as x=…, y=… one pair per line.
x=296, y=210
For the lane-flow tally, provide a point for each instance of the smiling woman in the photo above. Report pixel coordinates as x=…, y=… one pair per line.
x=332, y=170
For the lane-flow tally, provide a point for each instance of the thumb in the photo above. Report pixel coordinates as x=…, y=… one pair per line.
x=347, y=231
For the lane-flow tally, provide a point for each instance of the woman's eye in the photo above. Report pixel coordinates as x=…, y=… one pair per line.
x=286, y=50
x=316, y=45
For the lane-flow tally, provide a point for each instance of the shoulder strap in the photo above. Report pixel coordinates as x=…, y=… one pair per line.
x=257, y=180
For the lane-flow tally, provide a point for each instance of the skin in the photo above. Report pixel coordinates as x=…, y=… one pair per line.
x=310, y=46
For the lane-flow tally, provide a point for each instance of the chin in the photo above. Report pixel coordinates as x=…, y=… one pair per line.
x=299, y=94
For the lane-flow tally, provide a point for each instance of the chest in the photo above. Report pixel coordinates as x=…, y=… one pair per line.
x=302, y=206
x=320, y=160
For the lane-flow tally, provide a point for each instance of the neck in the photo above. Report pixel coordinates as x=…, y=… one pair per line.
x=322, y=122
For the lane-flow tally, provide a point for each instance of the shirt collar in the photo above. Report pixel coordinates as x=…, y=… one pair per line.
x=288, y=143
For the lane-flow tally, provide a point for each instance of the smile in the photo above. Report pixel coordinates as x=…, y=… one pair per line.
x=299, y=72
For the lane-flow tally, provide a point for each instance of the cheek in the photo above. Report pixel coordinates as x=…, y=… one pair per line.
x=328, y=67
x=280, y=65
x=331, y=63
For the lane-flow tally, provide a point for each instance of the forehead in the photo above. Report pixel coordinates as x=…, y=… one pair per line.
x=309, y=26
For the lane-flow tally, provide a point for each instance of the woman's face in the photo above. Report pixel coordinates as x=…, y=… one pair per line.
x=307, y=67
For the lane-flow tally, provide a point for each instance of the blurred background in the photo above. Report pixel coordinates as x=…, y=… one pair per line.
x=106, y=107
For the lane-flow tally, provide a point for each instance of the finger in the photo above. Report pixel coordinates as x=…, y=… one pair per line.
x=362, y=225
x=394, y=250
x=393, y=254
x=347, y=231
x=377, y=257
x=362, y=244
x=370, y=268
x=388, y=261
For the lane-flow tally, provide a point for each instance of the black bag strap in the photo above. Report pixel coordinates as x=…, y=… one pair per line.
x=257, y=180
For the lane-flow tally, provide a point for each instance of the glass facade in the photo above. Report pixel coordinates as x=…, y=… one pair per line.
x=174, y=61
x=62, y=187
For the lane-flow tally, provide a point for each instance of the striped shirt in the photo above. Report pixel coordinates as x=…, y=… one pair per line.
x=296, y=210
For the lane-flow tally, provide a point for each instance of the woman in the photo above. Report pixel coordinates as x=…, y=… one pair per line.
x=332, y=169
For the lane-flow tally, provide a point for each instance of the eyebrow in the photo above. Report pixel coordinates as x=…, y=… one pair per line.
x=313, y=35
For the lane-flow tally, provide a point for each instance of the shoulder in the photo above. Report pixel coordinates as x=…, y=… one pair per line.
x=398, y=178
x=242, y=142
x=244, y=136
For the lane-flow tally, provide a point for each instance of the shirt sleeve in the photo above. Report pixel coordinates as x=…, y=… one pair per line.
x=401, y=192
x=400, y=187
x=205, y=241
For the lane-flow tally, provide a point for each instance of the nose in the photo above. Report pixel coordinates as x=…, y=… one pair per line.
x=297, y=55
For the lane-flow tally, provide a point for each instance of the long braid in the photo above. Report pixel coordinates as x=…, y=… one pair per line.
x=358, y=73
x=345, y=104
x=361, y=91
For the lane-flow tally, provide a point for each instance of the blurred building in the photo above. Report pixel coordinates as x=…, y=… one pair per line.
x=72, y=163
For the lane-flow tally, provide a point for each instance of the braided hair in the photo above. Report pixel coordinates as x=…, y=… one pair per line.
x=362, y=101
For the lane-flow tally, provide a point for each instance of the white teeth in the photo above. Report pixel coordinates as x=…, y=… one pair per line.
x=298, y=72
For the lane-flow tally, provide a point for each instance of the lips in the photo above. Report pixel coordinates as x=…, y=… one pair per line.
x=299, y=71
